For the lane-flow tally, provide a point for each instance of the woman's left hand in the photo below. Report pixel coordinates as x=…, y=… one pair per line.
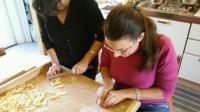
x=79, y=67
x=115, y=97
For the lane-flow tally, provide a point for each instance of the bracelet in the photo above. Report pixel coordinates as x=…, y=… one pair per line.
x=92, y=52
x=137, y=95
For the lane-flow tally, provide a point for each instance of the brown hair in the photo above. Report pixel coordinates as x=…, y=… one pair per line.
x=127, y=20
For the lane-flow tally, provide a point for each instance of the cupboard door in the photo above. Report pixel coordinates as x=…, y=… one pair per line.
x=195, y=32
x=193, y=47
x=190, y=68
x=176, y=31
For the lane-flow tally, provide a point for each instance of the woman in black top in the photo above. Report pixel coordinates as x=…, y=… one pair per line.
x=72, y=33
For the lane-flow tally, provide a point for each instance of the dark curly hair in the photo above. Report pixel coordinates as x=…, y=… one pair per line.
x=45, y=8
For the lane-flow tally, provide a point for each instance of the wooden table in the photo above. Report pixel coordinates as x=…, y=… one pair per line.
x=81, y=92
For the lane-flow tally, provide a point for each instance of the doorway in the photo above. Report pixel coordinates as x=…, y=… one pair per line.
x=6, y=32
x=15, y=23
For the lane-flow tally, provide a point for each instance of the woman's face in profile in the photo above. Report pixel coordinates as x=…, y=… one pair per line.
x=122, y=48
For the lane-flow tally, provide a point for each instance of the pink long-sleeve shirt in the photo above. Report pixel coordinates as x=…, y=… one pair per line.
x=163, y=75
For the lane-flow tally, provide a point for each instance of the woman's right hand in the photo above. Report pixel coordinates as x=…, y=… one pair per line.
x=102, y=93
x=53, y=70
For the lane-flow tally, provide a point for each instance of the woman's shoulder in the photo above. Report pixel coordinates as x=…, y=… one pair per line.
x=165, y=43
x=165, y=40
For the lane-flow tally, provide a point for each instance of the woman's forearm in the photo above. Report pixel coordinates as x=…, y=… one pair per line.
x=151, y=93
x=92, y=52
x=52, y=54
x=106, y=76
x=145, y=94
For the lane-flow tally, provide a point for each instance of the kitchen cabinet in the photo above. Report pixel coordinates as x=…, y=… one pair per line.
x=190, y=65
x=189, y=69
x=195, y=32
x=175, y=30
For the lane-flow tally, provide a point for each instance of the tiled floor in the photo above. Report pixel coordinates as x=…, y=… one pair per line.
x=32, y=48
x=189, y=84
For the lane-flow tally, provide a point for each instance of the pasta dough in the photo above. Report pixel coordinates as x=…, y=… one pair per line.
x=28, y=97
x=55, y=82
x=22, y=99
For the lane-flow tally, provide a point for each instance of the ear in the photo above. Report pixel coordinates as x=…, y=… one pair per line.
x=140, y=38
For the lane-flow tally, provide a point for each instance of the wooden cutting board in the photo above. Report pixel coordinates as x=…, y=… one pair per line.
x=80, y=90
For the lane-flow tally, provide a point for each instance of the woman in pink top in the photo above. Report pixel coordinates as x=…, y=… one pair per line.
x=142, y=62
